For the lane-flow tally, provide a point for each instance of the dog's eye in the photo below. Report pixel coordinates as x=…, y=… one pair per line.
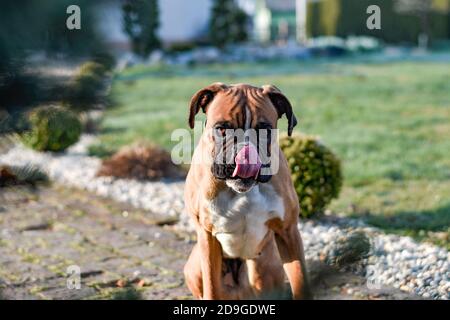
x=221, y=129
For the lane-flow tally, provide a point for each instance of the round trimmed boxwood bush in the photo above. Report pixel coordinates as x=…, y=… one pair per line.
x=86, y=90
x=105, y=59
x=315, y=170
x=53, y=128
x=91, y=68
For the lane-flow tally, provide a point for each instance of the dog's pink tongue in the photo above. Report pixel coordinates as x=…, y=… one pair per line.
x=247, y=162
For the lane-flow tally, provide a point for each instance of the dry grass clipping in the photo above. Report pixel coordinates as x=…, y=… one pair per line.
x=142, y=161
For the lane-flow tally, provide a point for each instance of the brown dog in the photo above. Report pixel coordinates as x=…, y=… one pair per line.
x=246, y=221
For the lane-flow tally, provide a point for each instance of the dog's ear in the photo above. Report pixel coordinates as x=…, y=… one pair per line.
x=202, y=99
x=282, y=104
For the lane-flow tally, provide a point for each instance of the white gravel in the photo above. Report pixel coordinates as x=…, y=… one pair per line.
x=396, y=261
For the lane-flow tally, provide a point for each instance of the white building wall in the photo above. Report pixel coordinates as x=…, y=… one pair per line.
x=183, y=20
x=180, y=21
x=110, y=25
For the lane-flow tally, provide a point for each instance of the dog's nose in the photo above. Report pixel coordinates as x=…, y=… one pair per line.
x=248, y=162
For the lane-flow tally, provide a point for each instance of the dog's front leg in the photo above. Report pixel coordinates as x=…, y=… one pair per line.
x=290, y=246
x=211, y=264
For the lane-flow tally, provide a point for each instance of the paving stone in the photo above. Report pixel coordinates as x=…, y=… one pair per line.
x=45, y=230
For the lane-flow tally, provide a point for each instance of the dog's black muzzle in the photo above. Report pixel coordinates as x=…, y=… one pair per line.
x=225, y=172
x=224, y=165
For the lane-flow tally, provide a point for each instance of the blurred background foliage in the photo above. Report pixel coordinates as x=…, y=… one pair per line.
x=141, y=22
x=228, y=23
x=41, y=25
x=30, y=29
x=400, y=23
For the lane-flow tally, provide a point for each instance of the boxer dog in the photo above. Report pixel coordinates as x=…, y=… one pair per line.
x=245, y=213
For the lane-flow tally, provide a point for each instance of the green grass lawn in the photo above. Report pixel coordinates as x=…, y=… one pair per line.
x=389, y=123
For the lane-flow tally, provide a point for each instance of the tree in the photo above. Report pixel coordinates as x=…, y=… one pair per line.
x=141, y=22
x=423, y=10
x=228, y=23
x=313, y=19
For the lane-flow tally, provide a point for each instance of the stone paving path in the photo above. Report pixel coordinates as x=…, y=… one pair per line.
x=122, y=253
x=47, y=230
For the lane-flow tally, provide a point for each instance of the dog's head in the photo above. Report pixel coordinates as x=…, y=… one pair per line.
x=239, y=123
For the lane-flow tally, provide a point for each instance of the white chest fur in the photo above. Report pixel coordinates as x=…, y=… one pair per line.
x=239, y=219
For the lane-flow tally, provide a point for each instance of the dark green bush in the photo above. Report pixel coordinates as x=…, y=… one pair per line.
x=315, y=170
x=105, y=59
x=86, y=90
x=92, y=68
x=181, y=47
x=53, y=128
